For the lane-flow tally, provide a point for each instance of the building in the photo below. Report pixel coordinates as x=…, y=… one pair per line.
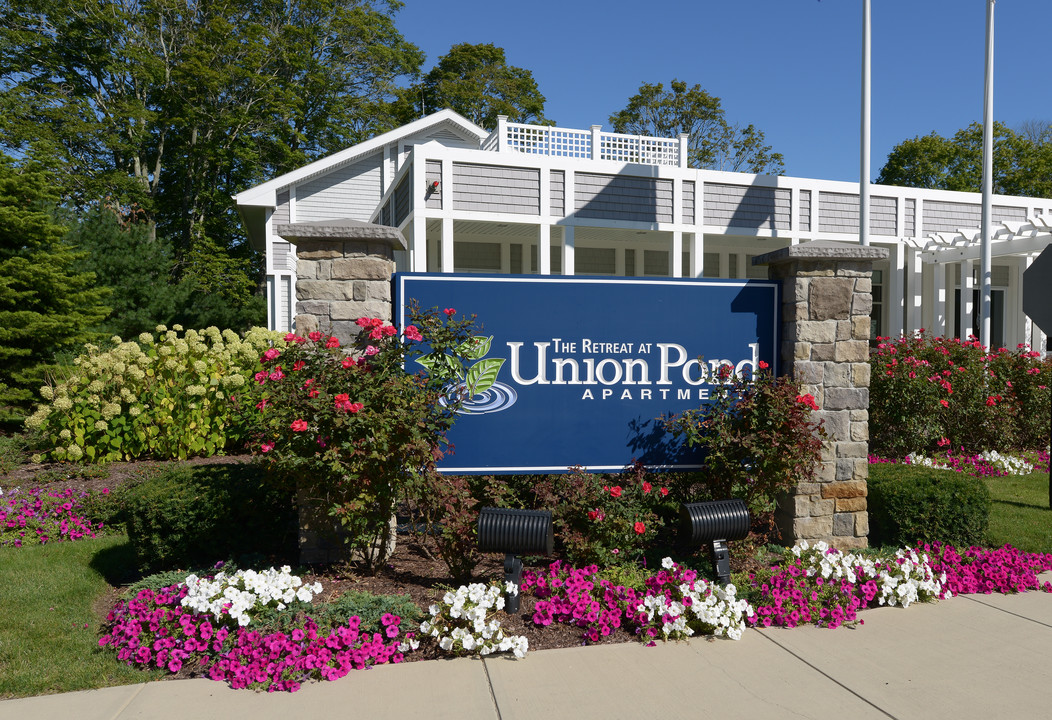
x=548, y=200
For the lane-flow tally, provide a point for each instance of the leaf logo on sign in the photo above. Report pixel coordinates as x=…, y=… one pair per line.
x=476, y=386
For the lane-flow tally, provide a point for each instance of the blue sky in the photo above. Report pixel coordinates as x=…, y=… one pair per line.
x=790, y=67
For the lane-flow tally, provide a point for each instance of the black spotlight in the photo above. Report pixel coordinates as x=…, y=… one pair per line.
x=515, y=532
x=715, y=522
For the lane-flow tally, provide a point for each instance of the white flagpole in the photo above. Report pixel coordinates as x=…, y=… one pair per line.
x=863, y=180
x=985, y=270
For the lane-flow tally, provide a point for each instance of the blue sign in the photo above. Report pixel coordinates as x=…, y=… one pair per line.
x=579, y=370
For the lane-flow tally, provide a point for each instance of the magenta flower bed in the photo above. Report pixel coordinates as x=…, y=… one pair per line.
x=573, y=596
x=31, y=517
x=978, y=570
x=154, y=630
x=974, y=463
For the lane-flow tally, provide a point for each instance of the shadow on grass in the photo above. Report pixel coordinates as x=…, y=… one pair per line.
x=116, y=564
x=1016, y=503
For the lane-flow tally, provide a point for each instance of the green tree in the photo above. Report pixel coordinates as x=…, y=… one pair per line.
x=173, y=106
x=477, y=82
x=713, y=143
x=1022, y=161
x=47, y=304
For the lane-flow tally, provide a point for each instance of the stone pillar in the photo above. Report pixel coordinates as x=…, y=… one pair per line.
x=343, y=273
x=826, y=304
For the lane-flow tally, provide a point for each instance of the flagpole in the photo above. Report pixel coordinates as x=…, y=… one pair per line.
x=985, y=270
x=863, y=180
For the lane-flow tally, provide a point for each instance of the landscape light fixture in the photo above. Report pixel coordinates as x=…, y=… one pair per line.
x=515, y=532
x=715, y=523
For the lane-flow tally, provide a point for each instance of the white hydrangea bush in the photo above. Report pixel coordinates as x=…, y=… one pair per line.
x=173, y=394
x=237, y=598
x=463, y=624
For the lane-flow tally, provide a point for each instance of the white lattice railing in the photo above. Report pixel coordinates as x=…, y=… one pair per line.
x=589, y=144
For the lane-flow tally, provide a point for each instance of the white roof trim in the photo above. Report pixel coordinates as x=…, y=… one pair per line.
x=265, y=195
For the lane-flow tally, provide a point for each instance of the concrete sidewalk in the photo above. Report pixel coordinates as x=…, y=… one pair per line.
x=976, y=656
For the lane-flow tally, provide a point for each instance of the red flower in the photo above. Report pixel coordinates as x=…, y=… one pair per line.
x=298, y=365
x=646, y=487
x=299, y=425
x=763, y=365
x=808, y=400
x=664, y=491
x=266, y=447
x=592, y=514
x=348, y=362
x=991, y=401
x=640, y=528
x=332, y=342
x=412, y=333
x=314, y=336
x=615, y=491
x=450, y=312
x=944, y=403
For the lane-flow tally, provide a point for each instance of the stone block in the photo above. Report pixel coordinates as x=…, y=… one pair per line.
x=830, y=299
x=844, y=524
x=860, y=328
x=850, y=504
x=822, y=352
x=346, y=310
x=860, y=432
x=861, y=524
x=851, y=351
x=837, y=375
x=362, y=268
x=828, y=452
x=809, y=372
x=821, y=507
x=807, y=488
x=826, y=472
x=848, y=489
x=306, y=324
x=794, y=312
x=366, y=290
x=854, y=269
x=843, y=330
x=864, y=285
x=318, y=308
x=837, y=425
x=814, y=331
x=839, y=398
x=796, y=290
x=862, y=304
x=848, y=544
x=306, y=269
x=812, y=528
x=852, y=449
x=324, y=270
x=324, y=290
x=812, y=269
x=319, y=249
x=801, y=505
x=860, y=375
x=845, y=469
x=861, y=469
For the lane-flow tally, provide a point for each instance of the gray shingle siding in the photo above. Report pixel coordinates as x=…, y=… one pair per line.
x=747, y=206
x=948, y=217
x=688, y=202
x=617, y=197
x=433, y=173
x=805, y=210
x=351, y=191
x=838, y=213
x=493, y=188
x=557, y=207
x=281, y=212
x=403, y=200
x=911, y=218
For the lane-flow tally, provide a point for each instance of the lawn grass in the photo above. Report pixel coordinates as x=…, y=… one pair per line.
x=1019, y=512
x=48, y=627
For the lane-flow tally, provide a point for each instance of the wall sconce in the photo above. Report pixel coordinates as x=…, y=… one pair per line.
x=715, y=523
x=432, y=186
x=515, y=532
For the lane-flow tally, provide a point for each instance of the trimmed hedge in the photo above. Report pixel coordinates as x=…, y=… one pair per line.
x=911, y=504
x=194, y=516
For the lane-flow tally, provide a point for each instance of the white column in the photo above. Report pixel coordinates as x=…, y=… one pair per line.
x=939, y=299
x=445, y=243
x=568, y=232
x=418, y=245
x=965, y=310
x=895, y=301
x=675, y=255
x=914, y=290
x=544, y=249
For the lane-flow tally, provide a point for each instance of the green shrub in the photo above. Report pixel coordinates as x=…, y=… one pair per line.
x=929, y=392
x=910, y=504
x=192, y=517
x=163, y=397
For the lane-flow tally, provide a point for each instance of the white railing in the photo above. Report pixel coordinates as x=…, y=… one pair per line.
x=587, y=144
